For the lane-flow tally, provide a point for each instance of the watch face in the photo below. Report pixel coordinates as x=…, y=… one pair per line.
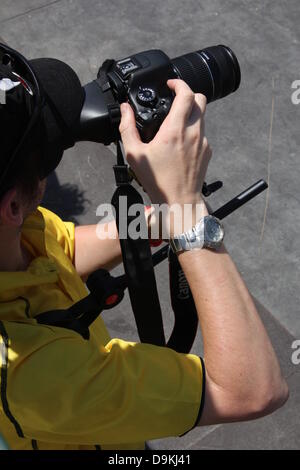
x=213, y=230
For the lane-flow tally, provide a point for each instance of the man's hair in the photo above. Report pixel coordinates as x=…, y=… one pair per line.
x=25, y=176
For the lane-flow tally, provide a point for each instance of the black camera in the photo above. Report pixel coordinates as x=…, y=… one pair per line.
x=141, y=79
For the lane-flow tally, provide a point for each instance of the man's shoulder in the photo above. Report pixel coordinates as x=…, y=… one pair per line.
x=42, y=226
x=42, y=219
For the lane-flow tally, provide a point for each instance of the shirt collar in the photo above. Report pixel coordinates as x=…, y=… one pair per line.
x=40, y=271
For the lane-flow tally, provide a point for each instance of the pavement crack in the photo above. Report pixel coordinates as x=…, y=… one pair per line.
x=198, y=440
x=269, y=163
x=294, y=372
x=32, y=10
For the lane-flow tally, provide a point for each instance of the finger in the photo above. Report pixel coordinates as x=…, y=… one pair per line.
x=196, y=121
x=201, y=101
x=197, y=114
x=129, y=133
x=183, y=102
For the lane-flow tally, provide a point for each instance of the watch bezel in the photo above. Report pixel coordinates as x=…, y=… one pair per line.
x=208, y=242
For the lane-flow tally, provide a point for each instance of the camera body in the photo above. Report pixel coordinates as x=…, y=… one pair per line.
x=144, y=77
x=141, y=79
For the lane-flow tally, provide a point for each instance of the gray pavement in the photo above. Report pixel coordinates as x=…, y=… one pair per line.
x=254, y=134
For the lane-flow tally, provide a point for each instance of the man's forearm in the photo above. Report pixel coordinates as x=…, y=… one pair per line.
x=92, y=253
x=239, y=357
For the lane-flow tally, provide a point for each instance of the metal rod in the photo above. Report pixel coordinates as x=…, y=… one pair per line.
x=221, y=213
x=241, y=199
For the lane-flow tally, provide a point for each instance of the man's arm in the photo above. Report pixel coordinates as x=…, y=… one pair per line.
x=243, y=378
x=92, y=253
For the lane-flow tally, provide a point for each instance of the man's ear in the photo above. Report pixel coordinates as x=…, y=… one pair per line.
x=11, y=208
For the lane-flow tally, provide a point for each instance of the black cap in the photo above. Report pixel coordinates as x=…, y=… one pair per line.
x=14, y=114
x=54, y=132
x=61, y=114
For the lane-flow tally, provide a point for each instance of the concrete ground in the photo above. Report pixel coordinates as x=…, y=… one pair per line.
x=254, y=134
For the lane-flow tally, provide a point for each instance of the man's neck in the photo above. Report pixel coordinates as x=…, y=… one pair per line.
x=13, y=256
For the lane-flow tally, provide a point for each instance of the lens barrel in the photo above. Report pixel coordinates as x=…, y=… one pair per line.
x=214, y=71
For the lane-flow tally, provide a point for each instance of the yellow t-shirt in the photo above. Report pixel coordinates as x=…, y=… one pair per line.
x=60, y=391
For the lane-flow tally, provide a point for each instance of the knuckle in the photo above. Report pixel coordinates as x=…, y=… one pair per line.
x=121, y=128
x=189, y=96
x=208, y=151
x=201, y=100
x=182, y=83
x=195, y=135
x=175, y=134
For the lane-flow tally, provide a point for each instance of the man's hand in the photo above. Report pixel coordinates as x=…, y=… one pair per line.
x=173, y=165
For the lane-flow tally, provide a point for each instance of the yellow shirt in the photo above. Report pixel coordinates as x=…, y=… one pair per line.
x=60, y=391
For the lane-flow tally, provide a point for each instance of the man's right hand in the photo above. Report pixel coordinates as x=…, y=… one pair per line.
x=171, y=167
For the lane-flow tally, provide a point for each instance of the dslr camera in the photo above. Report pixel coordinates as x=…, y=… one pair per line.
x=141, y=80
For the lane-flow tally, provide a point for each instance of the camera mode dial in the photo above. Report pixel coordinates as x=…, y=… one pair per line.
x=146, y=96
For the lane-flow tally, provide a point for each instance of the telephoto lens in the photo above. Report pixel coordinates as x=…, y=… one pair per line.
x=214, y=71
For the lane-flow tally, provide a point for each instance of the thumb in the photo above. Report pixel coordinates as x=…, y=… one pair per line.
x=127, y=128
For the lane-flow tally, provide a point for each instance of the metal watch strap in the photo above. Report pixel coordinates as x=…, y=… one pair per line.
x=197, y=238
x=187, y=240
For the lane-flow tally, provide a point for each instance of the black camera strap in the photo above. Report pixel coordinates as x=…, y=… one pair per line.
x=137, y=260
x=105, y=293
x=185, y=312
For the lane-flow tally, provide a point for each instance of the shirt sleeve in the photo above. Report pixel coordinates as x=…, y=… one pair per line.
x=63, y=232
x=64, y=388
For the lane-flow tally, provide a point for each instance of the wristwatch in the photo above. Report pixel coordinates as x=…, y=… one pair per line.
x=207, y=233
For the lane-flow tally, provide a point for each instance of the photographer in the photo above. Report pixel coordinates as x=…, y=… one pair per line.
x=59, y=391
